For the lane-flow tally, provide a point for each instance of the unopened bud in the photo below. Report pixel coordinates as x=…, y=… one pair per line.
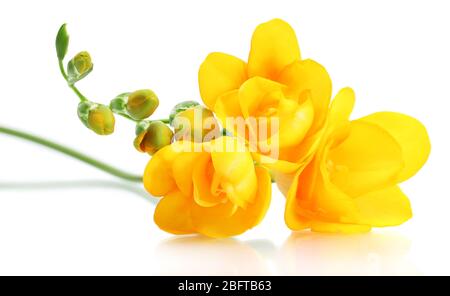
x=98, y=118
x=142, y=104
x=183, y=106
x=157, y=136
x=62, y=42
x=79, y=67
x=196, y=124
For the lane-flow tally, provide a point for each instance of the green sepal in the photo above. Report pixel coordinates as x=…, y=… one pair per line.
x=142, y=126
x=119, y=104
x=83, y=111
x=183, y=106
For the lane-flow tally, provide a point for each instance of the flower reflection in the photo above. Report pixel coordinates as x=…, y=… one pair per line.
x=204, y=256
x=365, y=254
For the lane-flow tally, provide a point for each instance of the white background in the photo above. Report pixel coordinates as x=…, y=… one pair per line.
x=58, y=216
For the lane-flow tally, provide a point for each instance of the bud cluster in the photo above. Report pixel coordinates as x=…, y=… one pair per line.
x=188, y=121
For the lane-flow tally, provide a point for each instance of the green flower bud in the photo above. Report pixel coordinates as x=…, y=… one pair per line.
x=62, y=42
x=196, y=124
x=98, y=118
x=157, y=136
x=79, y=67
x=180, y=108
x=142, y=104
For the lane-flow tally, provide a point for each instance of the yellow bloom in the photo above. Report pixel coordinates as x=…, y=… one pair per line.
x=275, y=84
x=215, y=192
x=351, y=185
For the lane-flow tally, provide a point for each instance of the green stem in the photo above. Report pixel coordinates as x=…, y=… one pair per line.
x=72, y=87
x=84, y=99
x=166, y=121
x=72, y=153
x=125, y=116
x=63, y=71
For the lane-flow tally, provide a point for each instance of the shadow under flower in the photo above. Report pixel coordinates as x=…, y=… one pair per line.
x=86, y=184
x=303, y=253
x=308, y=253
x=196, y=255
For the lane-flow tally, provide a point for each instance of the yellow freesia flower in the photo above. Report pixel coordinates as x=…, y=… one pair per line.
x=351, y=185
x=217, y=192
x=275, y=84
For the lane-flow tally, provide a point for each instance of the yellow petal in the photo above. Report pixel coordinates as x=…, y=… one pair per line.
x=220, y=73
x=216, y=221
x=310, y=76
x=368, y=159
x=300, y=155
x=306, y=206
x=225, y=220
x=261, y=98
x=258, y=92
x=295, y=121
x=258, y=209
x=293, y=220
x=277, y=164
x=173, y=214
x=410, y=134
x=203, y=175
x=274, y=46
x=182, y=170
x=158, y=178
x=386, y=207
x=331, y=203
x=235, y=168
x=341, y=107
x=256, y=95
x=227, y=106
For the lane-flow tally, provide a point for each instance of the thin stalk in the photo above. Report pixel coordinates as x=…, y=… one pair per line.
x=72, y=153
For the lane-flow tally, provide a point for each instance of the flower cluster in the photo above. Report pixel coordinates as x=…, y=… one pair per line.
x=270, y=119
x=338, y=175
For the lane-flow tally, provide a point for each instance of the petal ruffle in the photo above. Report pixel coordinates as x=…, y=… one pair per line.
x=295, y=121
x=410, y=134
x=261, y=98
x=258, y=92
x=182, y=171
x=226, y=220
x=203, y=176
x=220, y=73
x=235, y=168
x=309, y=76
x=274, y=46
x=227, y=107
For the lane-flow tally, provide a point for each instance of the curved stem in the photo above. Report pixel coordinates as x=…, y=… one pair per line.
x=63, y=71
x=72, y=153
x=84, y=99
x=72, y=87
